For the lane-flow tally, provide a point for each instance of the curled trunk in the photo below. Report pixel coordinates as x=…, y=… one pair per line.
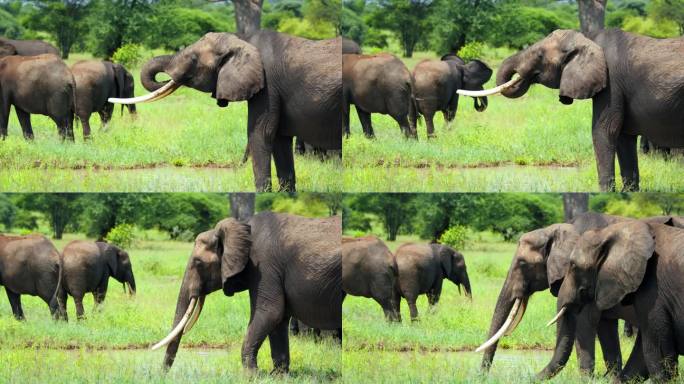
x=506, y=73
x=150, y=70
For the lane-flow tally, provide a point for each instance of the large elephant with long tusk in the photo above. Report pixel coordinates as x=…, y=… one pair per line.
x=636, y=84
x=293, y=87
x=291, y=266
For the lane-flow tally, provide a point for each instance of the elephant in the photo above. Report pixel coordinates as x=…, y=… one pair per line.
x=31, y=265
x=540, y=262
x=378, y=84
x=293, y=87
x=88, y=265
x=639, y=264
x=370, y=270
x=40, y=84
x=350, y=46
x=291, y=266
x=29, y=47
x=636, y=84
x=436, y=82
x=422, y=267
x=7, y=49
x=297, y=328
x=96, y=81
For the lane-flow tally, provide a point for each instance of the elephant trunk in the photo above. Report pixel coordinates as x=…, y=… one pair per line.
x=466, y=286
x=480, y=103
x=565, y=339
x=506, y=73
x=150, y=70
x=131, y=285
x=507, y=308
x=172, y=348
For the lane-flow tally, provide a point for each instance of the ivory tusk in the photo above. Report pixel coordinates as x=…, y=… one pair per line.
x=511, y=315
x=160, y=93
x=518, y=318
x=195, y=315
x=558, y=316
x=178, y=328
x=492, y=91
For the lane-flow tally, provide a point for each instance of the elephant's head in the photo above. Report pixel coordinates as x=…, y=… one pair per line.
x=453, y=267
x=119, y=264
x=124, y=85
x=606, y=265
x=475, y=74
x=539, y=263
x=219, y=63
x=7, y=49
x=565, y=60
x=219, y=260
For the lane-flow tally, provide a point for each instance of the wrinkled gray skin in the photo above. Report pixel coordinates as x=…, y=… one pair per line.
x=96, y=81
x=378, y=84
x=41, y=85
x=540, y=262
x=31, y=265
x=293, y=87
x=88, y=265
x=636, y=84
x=291, y=266
x=350, y=46
x=370, y=270
x=436, y=82
x=27, y=47
x=422, y=268
x=639, y=264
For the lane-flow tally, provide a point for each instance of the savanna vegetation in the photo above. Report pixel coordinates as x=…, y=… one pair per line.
x=183, y=144
x=112, y=343
x=438, y=348
x=533, y=143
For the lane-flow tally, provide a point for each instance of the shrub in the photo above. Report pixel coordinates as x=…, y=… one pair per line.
x=455, y=237
x=471, y=51
x=128, y=55
x=122, y=235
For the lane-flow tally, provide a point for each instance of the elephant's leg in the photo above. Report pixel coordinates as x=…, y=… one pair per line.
x=606, y=123
x=280, y=347
x=609, y=339
x=345, y=119
x=262, y=125
x=635, y=369
x=300, y=147
x=85, y=121
x=365, y=119
x=338, y=335
x=100, y=293
x=387, y=308
x=264, y=320
x=413, y=310
x=404, y=125
x=15, y=303
x=630, y=329
x=657, y=356
x=106, y=115
x=25, y=121
x=294, y=326
x=629, y=163
x=450, y=112
x=284, y=162
x=78, y=302
x=429, y=124
x=4, y=119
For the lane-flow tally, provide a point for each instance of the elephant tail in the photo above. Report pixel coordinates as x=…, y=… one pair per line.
x=59, y=287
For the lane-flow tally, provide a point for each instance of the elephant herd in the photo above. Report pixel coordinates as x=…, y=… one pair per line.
x=35, y=80
x=31, y=265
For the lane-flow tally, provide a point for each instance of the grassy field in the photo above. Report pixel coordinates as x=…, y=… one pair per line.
x=439, y=347
x=533, y=143
x=111, y=345
x=183, y=143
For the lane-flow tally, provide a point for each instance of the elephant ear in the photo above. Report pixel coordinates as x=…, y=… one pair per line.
x=622, y=260
x=235, y=243
x=110, y=255
x=242, y=74
x=476, y=73
x=562, y=239
x=444, y=255
x=584, y=68
x=119, y=79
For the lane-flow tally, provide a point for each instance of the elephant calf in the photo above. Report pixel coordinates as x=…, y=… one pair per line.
x=378, y=84
x=30, y=265
x=96, y=81
x=369, y=270
x=422, y=267
x=88, y=265
x=436, y=82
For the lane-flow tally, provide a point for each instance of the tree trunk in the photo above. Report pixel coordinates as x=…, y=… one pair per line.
x=592, y=14
x=247, y=16
x=574, y=204
x=242, y=205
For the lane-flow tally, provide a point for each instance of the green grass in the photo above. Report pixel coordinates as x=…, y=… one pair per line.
x=186, y=134
x=111, y=344
x=439, y=347
x=533, y=143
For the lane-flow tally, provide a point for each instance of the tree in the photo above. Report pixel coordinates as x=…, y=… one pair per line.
x=247, y=15
x=408, y=19
x=183, y=215
x=574, y=204
x=592, y=14
x=118, y=22
x=458, y=22
x=394, y=210
x=104, y=211
x=7, y=212
x=63, y=19
x=669, y=10
x=242, y=205
x=60, y=208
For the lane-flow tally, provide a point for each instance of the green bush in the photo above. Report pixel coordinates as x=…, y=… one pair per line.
x=122, y=235
x=455, y=236
x=471, y=51
x=128, y=55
